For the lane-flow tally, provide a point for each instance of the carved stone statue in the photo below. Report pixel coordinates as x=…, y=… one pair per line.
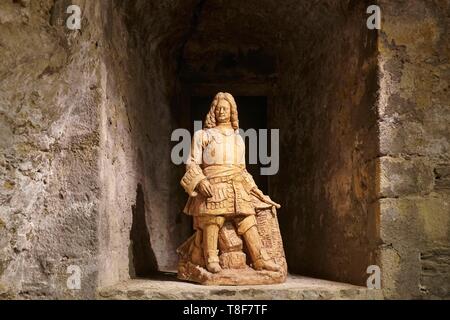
x=237, y=238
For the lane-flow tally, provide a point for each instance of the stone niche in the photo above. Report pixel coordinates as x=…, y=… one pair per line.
x=308, y=69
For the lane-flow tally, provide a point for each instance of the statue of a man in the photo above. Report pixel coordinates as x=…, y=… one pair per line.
x=222, y=191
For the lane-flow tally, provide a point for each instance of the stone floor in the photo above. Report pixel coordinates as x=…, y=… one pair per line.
x=166, y=286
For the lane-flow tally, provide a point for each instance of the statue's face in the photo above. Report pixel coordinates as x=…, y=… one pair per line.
x=223, y=111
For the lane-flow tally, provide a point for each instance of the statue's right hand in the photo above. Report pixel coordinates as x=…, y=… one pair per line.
x=205, y=188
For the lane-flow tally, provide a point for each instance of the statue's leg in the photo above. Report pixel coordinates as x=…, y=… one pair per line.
x=197, y=250
x=247, y=227
x=211, y=226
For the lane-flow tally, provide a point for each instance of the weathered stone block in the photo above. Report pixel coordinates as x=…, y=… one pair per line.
x=442, y=177
x=390, y=268
x=419, y=136
x=401, y=177
x=435, y=274
x=400, y=138
x=415, y=221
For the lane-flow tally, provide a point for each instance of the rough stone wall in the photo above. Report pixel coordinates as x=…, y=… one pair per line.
x=87, y=120
x=414, y=165
x=121, y=170
x=325, y=109
x=49, y=98
x=137, y=123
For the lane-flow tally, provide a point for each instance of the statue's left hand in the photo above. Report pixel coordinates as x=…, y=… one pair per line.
x=265, y=198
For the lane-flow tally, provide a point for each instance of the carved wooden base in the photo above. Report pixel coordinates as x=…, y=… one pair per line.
x=228, y=277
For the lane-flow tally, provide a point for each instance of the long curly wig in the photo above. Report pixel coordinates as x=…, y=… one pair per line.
x=210, y=121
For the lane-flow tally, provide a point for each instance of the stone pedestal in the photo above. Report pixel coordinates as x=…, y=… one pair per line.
x=168, y=287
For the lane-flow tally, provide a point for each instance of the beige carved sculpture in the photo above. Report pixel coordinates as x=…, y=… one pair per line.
x=237, y=239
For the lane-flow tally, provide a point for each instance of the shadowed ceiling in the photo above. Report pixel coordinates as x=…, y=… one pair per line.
x=252, y=34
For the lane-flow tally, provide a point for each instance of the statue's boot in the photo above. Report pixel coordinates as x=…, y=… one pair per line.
x=259, y=255
x=210, y=239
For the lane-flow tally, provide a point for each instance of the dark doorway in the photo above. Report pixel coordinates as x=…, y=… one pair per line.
x=252, y=115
